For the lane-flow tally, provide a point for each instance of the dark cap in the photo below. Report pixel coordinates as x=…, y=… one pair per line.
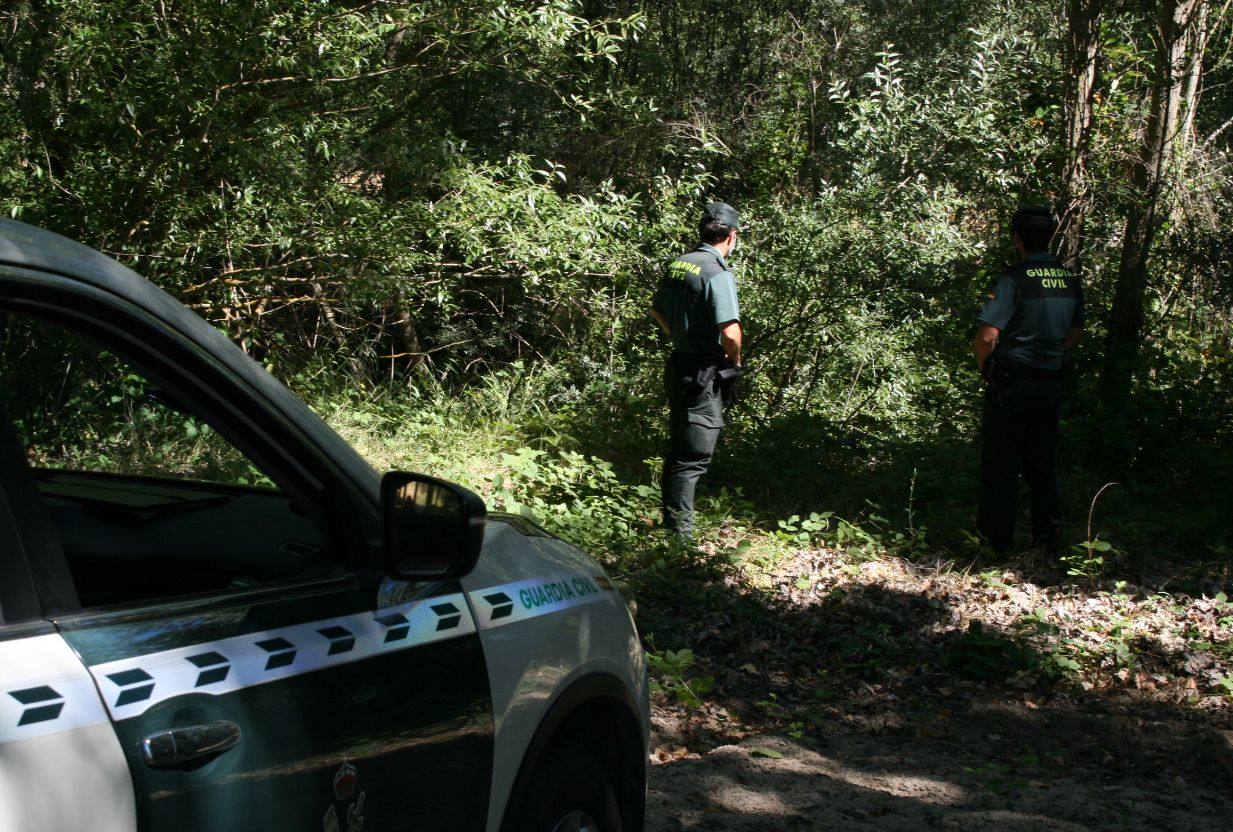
x=723, y=212
x=1034, y=214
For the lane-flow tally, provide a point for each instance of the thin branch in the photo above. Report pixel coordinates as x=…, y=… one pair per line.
x=428, y=352
x=287, y=79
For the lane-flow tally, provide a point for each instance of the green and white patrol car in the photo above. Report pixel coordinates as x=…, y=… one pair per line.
x=304, y=645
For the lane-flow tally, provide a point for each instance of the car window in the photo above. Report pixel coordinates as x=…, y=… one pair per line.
x=149, y=502
x=79, y=407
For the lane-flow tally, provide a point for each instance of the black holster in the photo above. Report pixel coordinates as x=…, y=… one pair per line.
x=990, y=372
x=693, y=374
x=729, y=387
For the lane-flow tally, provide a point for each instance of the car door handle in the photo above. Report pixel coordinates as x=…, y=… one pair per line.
x=183, y=745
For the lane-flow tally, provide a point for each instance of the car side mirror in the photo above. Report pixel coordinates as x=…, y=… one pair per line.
x=434, y=529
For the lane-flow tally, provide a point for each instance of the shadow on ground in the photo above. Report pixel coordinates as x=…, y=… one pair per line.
x=989, y=767
x=899, y=709
x=910, y=715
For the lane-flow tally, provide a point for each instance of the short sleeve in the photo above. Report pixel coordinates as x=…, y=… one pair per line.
x=1080, y=310
x=721, y=294
x=999, y=303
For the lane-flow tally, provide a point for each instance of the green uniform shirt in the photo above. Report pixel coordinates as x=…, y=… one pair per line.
x=1034, y=305
x=697, y=296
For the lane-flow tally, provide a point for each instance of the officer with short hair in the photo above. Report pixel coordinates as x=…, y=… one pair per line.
x=696, y=305
x=1032, y=314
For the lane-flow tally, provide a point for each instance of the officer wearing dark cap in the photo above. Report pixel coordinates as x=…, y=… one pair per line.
x=696, y=305
x=1032, y=314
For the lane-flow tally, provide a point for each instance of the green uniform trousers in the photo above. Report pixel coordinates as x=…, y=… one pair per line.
x=1019, y=432
x=695, y=416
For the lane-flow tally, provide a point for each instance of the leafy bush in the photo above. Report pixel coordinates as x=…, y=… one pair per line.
x=579, y=498
x=671, y=675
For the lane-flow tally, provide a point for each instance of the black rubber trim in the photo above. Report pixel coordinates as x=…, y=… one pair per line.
x=35, y=574
x=523, y=525
x=586, y=689
x=12, y=632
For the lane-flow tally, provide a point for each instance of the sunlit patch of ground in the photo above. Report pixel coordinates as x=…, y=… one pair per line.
x=1046, y=771
x=862, y=692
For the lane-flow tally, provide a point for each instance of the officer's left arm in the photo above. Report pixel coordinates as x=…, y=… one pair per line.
x=1075, y=334
x=662, y=321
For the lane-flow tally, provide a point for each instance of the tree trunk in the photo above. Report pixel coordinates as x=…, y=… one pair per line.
x=1178, y=38
x=408, y=335
x=1083, y=19
x=340, y=337
x=1192, y=79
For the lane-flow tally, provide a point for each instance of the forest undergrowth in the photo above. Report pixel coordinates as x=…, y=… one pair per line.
x=833, y=614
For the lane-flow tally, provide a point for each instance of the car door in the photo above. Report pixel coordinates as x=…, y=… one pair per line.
x=325, y=711
x=320, y=697
x=61, y=767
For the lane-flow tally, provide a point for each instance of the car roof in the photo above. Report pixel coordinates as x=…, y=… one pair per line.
x=28, y=247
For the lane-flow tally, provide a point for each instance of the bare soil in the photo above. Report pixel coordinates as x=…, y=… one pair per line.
x=995, y=767
x=847, y=694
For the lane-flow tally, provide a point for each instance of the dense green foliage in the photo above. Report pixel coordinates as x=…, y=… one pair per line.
x=407, y=207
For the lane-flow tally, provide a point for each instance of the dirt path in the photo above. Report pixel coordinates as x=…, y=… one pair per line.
x=996, y=767
x=834, y=690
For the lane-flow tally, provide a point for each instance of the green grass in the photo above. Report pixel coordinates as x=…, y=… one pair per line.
x=588, y=467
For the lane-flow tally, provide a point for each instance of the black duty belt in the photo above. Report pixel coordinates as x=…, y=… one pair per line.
x=1035, y=373
x=694, y=360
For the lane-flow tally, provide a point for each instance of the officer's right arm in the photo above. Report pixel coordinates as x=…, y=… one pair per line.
x=730, y=340
x=726, y=314
x=657, y=310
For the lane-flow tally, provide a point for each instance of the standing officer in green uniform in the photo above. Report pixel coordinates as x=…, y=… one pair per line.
x=696, y=305
x=1032, y=314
